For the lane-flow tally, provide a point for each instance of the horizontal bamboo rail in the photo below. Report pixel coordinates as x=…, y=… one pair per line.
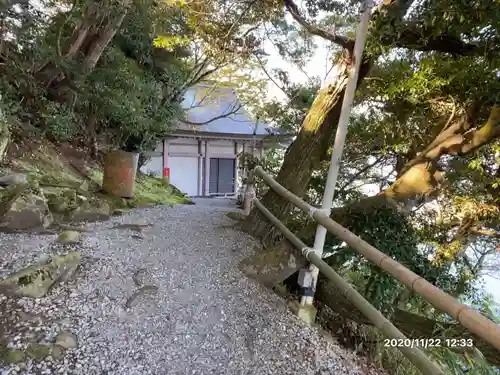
x=467, y=317
x=415, y=355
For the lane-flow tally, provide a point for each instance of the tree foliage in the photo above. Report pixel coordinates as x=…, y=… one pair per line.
x=117, y=70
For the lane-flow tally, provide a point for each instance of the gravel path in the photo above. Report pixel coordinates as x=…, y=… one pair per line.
x=195, y=314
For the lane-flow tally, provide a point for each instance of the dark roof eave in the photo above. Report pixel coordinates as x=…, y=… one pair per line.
x=200, y=134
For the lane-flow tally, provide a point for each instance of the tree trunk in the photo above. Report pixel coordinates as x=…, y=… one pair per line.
x=143, y=159
x=308, y=150
x=50, y=72
x=4, y=136
x=79, y=36
x=91, y=130
x=101, y=42
x=89, y=41
x=412, y=325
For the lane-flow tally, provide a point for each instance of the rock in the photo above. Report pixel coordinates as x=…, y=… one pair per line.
x=36, y=280
x=66, y=340
x=42, y=258
x=57, y=352
x=272, y=267
x=58, y=204
x=61, y=200
x=38, y=351
x=69, y=237
x=24, y=208
x=147, y=290
x=12, y=356
x=119, y=211
x=135, y=227
x=13, y=179
x=236, y=216
x=84, y=186
x=91, y=210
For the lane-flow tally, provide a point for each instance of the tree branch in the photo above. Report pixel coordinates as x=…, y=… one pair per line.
x=282, y=88
x=457, y=140
x=359, y=173
x=412, y=36
x=485, y=232
x=341, y=40
x=235, y=109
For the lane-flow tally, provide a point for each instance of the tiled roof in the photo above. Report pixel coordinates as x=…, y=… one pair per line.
x=204, y=103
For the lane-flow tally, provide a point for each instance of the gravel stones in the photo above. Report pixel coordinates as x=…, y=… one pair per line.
x=205, y=318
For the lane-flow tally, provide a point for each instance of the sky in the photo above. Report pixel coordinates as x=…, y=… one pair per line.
x=319, y=66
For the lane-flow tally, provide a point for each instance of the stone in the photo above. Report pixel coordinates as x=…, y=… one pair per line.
x=69, y=237
x=147, y=290
x=66, y=340
x=272, y=266
x=13, y=179
x=91, y=210
x=12, y=356
x=135, y=227
x=36, y=280
x=119, y=211
x=57, y=352
x=61, y=200
x=236, y=216
x=58, y=204
x=38, y=351
x=24, y=208
x=306, y=313
x=42, y=258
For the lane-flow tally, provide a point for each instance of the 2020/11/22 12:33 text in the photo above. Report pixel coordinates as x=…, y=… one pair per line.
x=429, y=343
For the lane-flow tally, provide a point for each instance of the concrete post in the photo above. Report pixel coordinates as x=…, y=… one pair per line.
x=361, y=35
x=249, y=195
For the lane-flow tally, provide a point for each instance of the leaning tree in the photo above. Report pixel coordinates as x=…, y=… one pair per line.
x=436, y=39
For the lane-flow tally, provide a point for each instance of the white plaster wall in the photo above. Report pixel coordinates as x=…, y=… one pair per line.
x=184, y=173
x=179, y=146
x=220, y=148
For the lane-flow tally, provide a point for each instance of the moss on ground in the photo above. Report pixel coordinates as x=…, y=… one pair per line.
x=148, y=191
x=47, y=168
x=151, y=190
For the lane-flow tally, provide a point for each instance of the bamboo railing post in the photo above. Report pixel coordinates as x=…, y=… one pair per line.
x=467, y=317
x=410, y=351
x=249, y=195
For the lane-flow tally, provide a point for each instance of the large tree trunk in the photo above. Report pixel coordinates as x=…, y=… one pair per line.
x=101, y=42
x=308, y=150
x=412, y=325
x=50, y=72
x=88, y=43
x=4, y=136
